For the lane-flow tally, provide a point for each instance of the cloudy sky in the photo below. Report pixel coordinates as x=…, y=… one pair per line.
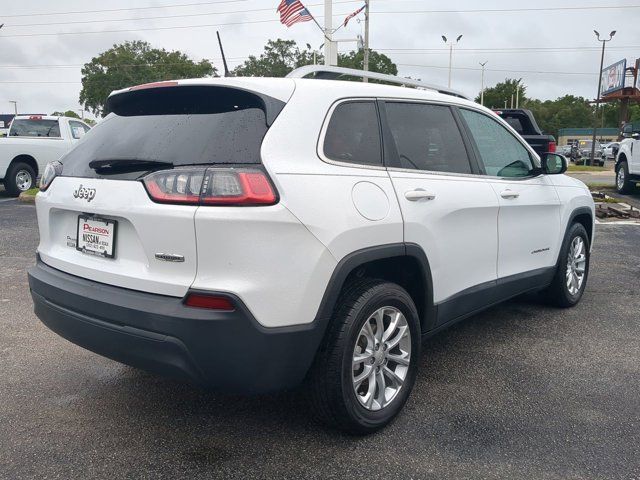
x=551, y=46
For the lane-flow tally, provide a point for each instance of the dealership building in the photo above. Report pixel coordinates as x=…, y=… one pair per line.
x=567, y=136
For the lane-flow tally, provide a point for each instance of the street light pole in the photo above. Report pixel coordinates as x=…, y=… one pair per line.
x=451, y=53
x=482, y=83
x=366, y=39
x=595, y=122
x=15, y=106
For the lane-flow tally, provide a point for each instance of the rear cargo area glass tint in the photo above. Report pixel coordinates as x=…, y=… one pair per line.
x=176, y=126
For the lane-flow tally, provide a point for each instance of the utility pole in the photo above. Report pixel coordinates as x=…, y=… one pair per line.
x=366, y=39
x=595, y=116
x=330, y=47
x=451, y=53
x=482, y=83
x=518, y=95
x=15, y=106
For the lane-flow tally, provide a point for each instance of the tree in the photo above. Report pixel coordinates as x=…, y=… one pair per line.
x=564, y=112
x=494, y=97
x=282, y=56
x=378, y=62
x=277, y=60
x=68, y=113
x=134, y=63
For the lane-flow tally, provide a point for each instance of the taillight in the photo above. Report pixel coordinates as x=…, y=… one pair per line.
x=211, y=302
x=211, y=186
x=552, y=147
x=51, y=171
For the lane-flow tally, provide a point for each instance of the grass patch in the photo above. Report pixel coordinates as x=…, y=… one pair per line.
x=587, y=168
x=31, y=192
x=600, y=186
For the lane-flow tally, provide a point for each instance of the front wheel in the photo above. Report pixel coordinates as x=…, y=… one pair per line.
x=365, y=371
x=20, y=178
x=572, y=272
x=623, y=185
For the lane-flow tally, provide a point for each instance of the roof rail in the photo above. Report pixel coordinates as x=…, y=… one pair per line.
x=333, y=73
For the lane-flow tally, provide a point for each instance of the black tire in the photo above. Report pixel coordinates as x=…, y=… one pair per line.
x=558, y=293
x=11, y=184
x=332, y=393
x=623, y=185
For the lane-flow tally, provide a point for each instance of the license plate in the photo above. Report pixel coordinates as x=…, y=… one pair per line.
x=96, y=236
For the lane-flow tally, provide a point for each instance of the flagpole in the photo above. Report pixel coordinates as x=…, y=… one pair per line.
x=366, y=39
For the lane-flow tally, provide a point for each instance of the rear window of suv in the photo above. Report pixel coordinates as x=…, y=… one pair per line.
x=35, y=128
x=176, y=125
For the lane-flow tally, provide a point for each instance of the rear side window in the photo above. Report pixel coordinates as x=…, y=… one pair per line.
x=353, y=134
x=427, y=138
x=35, y=128
x=174, y=125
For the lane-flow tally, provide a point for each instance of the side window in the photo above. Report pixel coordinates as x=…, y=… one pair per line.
x=500, y=152
x=353, y=134
x=77, y=129
x=427, y=137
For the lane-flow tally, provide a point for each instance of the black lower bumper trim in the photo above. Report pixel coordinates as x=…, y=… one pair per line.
x=228, y=351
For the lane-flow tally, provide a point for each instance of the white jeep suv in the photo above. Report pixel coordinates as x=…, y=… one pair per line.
x=254, y=234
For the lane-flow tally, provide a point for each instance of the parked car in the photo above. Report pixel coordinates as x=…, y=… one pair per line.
x=610, y=150
x=584, y=154
x=523, y=122
x=628, y=160
x=565, y=150
x=33, y=141
x=252, y=234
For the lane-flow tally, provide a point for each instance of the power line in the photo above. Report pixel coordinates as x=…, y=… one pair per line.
x=255, y=10
x=180, y=27
x=600, y=7
x=151, y=7
x=499, y=70
x=511, y=10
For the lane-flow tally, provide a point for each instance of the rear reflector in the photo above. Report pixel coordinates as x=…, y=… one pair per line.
x=552, y=147
x=211, y=186
x=211, y=302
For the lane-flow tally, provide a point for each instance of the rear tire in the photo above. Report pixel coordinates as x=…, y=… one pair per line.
x=572, y=273
x=358, y=357
x=20, y=178
x=623, y=185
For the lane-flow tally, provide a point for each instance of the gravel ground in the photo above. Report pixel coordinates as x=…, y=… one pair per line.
x=520, y=391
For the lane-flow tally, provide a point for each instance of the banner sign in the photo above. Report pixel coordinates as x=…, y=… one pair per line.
x=613, y=77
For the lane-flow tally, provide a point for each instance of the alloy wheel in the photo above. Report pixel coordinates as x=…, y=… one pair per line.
x=576, y=265
x=620, y=178
x=381, y=358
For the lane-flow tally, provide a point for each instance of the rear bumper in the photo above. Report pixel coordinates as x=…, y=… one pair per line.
x=228, y=351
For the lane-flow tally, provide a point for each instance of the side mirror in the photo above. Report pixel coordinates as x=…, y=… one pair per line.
x=554, y=164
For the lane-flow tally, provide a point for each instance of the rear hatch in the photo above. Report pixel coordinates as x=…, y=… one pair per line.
x=102, y=218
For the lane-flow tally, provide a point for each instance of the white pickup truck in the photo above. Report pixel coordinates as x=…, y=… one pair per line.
x=628, y=159
x=32, y=142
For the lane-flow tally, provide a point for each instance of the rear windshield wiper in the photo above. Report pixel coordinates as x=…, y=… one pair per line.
x=127, y=166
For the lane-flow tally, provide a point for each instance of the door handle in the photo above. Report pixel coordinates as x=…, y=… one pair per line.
x=418, y=194
x=510, y=194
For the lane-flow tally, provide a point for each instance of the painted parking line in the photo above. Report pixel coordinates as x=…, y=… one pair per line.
x=2, y=200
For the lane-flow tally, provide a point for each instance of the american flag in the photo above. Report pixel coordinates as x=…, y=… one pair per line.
x=349, y=17
x=293, y=11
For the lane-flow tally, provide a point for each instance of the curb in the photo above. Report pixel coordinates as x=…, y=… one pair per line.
x=27, y=198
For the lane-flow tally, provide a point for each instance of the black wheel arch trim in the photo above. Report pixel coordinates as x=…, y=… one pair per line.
x=366, y=255
x=572, y=217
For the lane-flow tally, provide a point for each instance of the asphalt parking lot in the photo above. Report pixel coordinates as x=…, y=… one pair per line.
x=520, y=391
